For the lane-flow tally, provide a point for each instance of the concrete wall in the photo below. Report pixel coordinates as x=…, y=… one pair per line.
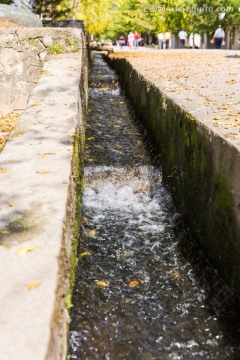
x=41, y=185
x=200, y=167
x=22, y=53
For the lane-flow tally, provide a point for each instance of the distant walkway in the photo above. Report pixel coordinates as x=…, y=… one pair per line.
x=192, y=79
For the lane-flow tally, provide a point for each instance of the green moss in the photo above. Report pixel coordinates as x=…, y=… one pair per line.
x=33, y=42
x=72, y=43
x=68, y=301
x=18, y=225
x=222, y=199
x=55, y=49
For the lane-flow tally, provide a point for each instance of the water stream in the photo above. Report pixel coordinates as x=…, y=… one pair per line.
x=143, y=288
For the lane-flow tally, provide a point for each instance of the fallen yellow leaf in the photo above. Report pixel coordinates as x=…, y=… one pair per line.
x=11, y=204
x=41, y=172
x=85, y=253
x=3, y=171
x=36, y=104
x=92, y=232
x=46, y=154
x=102, y=283
x=134, y=283
x=33, y=285
x=26, y=249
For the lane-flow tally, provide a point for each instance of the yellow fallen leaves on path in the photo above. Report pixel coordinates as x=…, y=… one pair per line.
x=85, y=253
x=42, y=172
x=92, y=232
x=33, y=285
x=7, y=124
x=134, y=283
x=102, y=283
x=26, y=249
x=195, y=72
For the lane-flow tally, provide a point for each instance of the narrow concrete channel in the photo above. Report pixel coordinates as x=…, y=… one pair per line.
x=143, y=288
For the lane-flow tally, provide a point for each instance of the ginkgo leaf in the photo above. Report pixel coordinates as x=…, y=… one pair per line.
x=33, y=285
x=85, y=253
x=46, y=154
x=26, y=249
x=3, y=171
x=41, y=172
x=102, y=283
x=36, y=104
x=134, y=283
x=93, y=232
x=217, y=118
x=11, y=204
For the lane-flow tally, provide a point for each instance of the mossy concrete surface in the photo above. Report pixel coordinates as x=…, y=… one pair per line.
x=200, y=165
x=41, y=184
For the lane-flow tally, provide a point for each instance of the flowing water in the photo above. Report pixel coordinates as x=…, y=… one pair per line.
x=143, y=289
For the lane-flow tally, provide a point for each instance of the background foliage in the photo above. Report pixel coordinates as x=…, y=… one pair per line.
x=108, y=19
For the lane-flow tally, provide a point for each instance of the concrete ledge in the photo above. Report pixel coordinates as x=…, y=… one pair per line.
x=40, y=181
x=200, y=165
x=22, y=53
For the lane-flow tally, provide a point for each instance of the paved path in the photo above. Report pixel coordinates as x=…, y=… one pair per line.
x=204, y=82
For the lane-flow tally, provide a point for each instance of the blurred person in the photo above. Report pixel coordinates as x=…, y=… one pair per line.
x=218, y=37
x=121, y=41
x=160, y=40
x=131, y=39
x=167, y=38
x=182, y=35
x=136, y=39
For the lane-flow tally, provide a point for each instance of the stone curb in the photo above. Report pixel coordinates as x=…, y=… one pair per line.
x=40, y=184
